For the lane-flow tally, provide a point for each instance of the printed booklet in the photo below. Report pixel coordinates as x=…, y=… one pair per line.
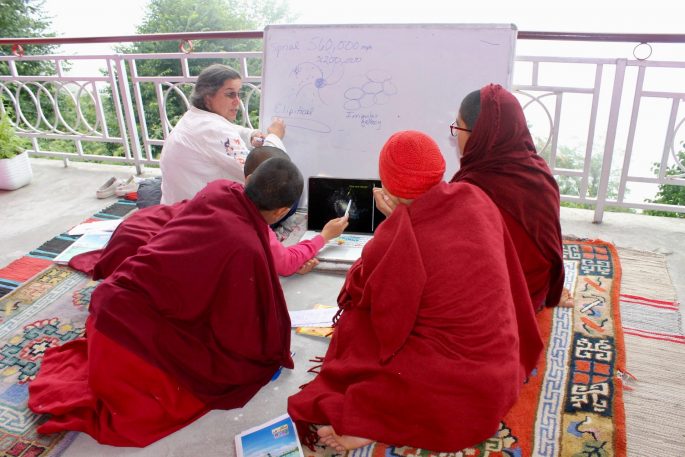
x=90, y=241
x=276, y=438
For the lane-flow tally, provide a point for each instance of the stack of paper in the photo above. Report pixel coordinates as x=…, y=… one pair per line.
x=318, y=317
x=95, y=226
x=315, y=322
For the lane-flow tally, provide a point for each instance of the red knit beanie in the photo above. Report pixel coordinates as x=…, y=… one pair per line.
x=410, y=164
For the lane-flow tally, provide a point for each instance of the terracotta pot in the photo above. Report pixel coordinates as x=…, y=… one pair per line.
x=15, y=172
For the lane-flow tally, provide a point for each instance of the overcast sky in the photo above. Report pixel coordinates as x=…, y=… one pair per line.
x=100, y=17
x=85, y=18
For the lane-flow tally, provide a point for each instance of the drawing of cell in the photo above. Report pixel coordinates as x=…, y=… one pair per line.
x=381, y=99
x=368, y=100
x=375, y=90
x=389, y=88
x=306, y=73
x=352, y=105
x=310, y=78
x=372, y=87
x=378, y=76
x=354, y=93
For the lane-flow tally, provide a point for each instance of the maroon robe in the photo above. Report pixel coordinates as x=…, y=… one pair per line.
x=195, y=320
x=135, y=231
x=500, y=158
x=437, y=333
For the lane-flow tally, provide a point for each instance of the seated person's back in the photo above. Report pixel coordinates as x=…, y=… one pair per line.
x=194, y=320
x=498, y=155
x=437, y=333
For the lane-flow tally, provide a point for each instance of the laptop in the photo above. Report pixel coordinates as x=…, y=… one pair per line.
x=333, y=197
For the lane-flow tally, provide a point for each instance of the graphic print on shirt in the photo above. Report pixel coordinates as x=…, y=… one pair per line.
x=235, y=148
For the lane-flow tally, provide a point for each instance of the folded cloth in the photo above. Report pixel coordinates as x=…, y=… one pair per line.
x=149, y=192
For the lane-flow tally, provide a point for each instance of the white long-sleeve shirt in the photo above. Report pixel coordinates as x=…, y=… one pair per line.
x=201, y=148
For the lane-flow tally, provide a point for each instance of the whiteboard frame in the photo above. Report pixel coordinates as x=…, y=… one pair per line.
x=450, y=154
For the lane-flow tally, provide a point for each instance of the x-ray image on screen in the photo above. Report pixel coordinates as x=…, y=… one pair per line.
x=329, y=198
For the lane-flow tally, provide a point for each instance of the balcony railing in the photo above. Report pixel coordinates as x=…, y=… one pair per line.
x=611, y=128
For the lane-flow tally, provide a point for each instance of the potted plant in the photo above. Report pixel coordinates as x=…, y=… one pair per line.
x=15, y=167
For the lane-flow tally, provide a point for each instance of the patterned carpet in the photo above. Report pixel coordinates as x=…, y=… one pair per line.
x=572, y=405
x=43, y=305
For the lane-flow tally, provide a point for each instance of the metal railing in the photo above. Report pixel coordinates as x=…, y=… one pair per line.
x=606, y=125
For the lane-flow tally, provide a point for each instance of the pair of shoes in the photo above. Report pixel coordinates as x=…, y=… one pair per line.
x=126, y=187
x=108, y=189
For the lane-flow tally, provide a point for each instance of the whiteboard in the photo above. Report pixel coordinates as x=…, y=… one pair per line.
x=342, y=90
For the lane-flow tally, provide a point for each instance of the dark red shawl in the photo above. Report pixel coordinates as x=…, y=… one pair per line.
x=202, y=300
x=501, y=159
x=432, y=348
x=135, y=231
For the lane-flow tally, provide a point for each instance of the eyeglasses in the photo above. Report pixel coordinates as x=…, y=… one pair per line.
x=232, y=95
x=454, y=128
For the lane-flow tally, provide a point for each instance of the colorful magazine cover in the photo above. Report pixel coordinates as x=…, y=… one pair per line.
x=276, y=438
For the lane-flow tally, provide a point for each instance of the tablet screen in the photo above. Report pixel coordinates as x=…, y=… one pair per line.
x=329, y=198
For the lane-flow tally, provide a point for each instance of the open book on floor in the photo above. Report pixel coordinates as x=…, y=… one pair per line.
x=276, y=438
x=89, y=241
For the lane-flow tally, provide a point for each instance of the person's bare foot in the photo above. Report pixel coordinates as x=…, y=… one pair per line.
x=340, y=443
x=566, y=300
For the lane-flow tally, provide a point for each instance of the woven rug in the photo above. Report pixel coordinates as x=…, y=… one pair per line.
x=649, y=308
x=40, y=258
x=43, y=305
x=572, y=405
x=654, y=397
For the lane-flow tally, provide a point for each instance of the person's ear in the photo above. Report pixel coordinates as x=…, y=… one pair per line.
x=206, y=102
x=280, y=212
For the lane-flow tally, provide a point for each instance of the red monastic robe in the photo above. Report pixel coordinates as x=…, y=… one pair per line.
x=195, y=320
x=132, y=233
x=437, y=334
x=501, y=159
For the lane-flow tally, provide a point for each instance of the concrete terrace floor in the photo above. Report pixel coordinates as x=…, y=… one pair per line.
x=60, y=197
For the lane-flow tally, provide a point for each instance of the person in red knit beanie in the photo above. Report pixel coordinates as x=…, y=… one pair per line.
x=410, y=163
x=436, y=333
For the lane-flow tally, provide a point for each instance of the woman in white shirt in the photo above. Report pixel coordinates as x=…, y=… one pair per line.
x=205, y=145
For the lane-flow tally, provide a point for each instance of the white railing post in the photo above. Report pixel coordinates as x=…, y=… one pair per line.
x=129, y=117
x=619, y=76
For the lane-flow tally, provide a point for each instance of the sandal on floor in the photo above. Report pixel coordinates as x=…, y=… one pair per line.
x=108, y=189
x=126, y=187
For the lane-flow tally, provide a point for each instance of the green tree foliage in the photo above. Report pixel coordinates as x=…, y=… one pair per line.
x=670, y=194
x=10, y=144
x=24, y=19
x=573, y=158
x=174, y=16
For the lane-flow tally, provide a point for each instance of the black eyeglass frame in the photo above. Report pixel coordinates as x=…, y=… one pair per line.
x=454, y=127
